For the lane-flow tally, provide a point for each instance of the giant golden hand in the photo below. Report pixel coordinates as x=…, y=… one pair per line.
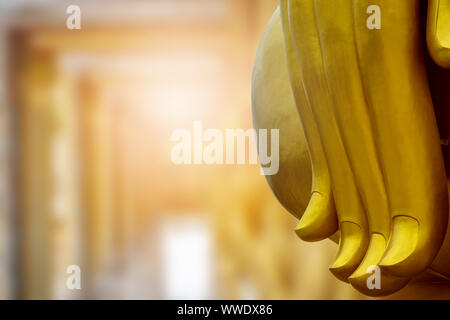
x=364, y=104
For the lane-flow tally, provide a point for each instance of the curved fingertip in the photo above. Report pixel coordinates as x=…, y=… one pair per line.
x=374, y=283
x=352, y=247
x=319, y=220
x=402, y=256
x=368, y=277
x=438, y=32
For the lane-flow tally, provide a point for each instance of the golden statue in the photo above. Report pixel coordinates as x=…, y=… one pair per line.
x=357, y=99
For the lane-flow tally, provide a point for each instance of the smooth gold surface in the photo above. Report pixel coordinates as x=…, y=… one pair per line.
x=438, y=31
x=350, y=254
x=389, y=284
x=365, y=107
x=271, y=89
x=348, y=203
x=406, y=132
x=319, y=220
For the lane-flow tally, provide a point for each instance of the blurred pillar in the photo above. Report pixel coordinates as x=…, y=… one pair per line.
x=66, y=215
x=33, y=80
x=123, y=191
x=94, y=128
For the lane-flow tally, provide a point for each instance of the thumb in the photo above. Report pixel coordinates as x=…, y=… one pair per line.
x=438, y=31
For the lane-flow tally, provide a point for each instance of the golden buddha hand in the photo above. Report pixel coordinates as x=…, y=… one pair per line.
x=369, y=94
x=364, y=103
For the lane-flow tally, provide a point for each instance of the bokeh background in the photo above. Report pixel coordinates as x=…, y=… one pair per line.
x=85, y=171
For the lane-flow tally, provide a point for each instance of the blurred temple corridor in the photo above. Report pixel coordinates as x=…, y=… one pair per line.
x=86, y=176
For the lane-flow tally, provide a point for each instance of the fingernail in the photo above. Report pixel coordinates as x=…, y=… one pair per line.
x=318, y=221
x=403, y=242
x=352, y=247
